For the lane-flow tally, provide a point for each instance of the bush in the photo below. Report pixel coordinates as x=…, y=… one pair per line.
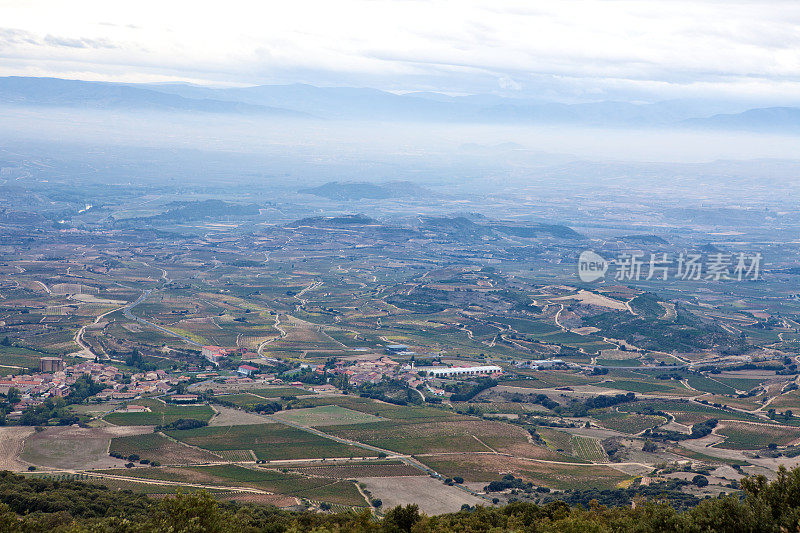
x=183, y=424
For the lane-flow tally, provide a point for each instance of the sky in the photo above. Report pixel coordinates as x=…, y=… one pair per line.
x=568, y=50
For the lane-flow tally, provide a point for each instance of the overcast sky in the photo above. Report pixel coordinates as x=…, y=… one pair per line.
x=563, y=49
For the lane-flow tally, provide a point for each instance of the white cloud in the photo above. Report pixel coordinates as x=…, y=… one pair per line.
x=577, y=48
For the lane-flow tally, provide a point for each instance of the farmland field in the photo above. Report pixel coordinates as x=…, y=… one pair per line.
x=160, y=413
x=289, y=484
x=588, y=448
x=157, y=447
x=555, y=439
x=268, y=441
x=460, y=434
x=490, y=468
x=278, y=392
x=706, y=384
x=375, y=407
x=73, y=447
x=361, y=469
x=744, y=436
x=686, y=412
x=628, y=422
x=644, y=387
x=326, y=415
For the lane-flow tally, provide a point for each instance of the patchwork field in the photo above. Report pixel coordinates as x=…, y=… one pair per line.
x=268, y=441
x=486, y=468
x=744, y=436
x=160, y=413
x=157, y=447
x=461, y=434
x=272, y=481
x=326, y=415
x=630, y=423
x=361, y=469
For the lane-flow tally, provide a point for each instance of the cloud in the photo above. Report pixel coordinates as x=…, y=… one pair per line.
x=68, y=42
x=11, y=37
x=572, y=48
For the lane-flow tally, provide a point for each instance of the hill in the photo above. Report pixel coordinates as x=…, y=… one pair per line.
x=335, y=190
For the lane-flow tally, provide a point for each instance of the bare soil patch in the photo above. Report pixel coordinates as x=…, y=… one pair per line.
x=228, y=416
x=76, y=448
x=432, y=496
x=11, y=442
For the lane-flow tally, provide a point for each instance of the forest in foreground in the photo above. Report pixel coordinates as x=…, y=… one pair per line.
x=38, y=505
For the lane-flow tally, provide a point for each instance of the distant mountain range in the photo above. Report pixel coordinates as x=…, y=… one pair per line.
x=768, y=119
x=54, y=92
x=307, y=101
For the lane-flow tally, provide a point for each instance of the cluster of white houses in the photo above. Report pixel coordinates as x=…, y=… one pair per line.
x=454, y=371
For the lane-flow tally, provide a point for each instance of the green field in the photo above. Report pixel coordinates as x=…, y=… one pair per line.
x=712, y=385
x=242, y=399
x=326, y=415
x=161, y=413
x=375, y=407
x=278, y=392
x=687, y=412
x=557, y=476
x=588, y=448
x=157, y=447
x=268, y=441
x=619, y=362
x=20, y=357
x=289, y=484
x=643, y=387
x=743, y=436
x=630, y=423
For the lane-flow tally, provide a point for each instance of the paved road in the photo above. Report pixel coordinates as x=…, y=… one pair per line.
x=130, y=316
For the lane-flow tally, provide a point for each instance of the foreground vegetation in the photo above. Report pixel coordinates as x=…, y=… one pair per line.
x=31, y=504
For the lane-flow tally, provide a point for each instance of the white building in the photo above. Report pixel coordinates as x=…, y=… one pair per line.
x=447, y=371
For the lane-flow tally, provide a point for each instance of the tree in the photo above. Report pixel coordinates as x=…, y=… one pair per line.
x=700, y=480
x=6, y=341
x=14, y=395
x=402, y=518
